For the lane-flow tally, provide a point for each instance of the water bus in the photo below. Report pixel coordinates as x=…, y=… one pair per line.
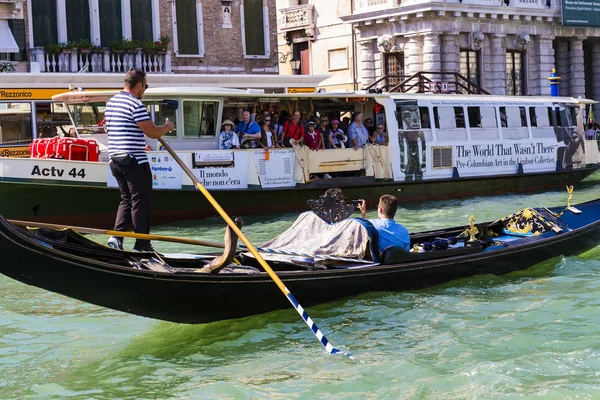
x=440, y=146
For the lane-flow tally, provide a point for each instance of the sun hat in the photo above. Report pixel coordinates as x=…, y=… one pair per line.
x=335, y=121
x=227, y=122
x=312, y=123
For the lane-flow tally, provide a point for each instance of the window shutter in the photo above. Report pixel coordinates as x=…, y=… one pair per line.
x=187, y=27
x=254, y=28
x=141, y=20
x=43, y=13
x=17, y=27
x=78, y=22
x=111, y=28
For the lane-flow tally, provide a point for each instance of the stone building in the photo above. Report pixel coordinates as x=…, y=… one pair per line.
x=503, y=46
x=161, y=36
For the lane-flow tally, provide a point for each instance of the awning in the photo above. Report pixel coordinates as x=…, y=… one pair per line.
x=7, y=40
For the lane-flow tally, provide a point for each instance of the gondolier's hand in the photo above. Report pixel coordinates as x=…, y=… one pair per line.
x=169, y=125
x=362, y=206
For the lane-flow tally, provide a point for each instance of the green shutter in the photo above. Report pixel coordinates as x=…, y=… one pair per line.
x=254, y=28
x=141, y=20
x=110, y=21
x=78, y=22
x=43, y=13
x=187, y=27
x=17, y=27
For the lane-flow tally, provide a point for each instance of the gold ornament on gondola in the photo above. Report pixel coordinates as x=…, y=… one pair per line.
x=472, y=231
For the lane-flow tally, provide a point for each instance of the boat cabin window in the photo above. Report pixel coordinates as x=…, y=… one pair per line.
x=160, y=113
x=539, y=118
x=89, y=117
x=483, y=123
x=199, y=118
x=516, y=122
x=15, y=123
x=425, y=119
x=450, y=123
x=565, y=117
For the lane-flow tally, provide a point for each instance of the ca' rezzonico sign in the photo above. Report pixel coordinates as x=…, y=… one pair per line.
x=581, y=12
x=29, y=94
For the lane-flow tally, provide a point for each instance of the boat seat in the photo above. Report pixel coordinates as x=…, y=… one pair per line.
x=397, y=255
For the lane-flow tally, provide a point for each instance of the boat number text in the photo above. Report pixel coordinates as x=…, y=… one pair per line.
x=58, y=172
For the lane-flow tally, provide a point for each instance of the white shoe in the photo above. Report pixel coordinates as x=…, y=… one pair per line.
x=327, y=176
x=115, y=242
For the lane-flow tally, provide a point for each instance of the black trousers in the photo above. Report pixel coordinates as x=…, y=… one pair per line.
x=135, y=208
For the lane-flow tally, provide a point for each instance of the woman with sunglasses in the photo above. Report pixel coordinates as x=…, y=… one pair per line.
x=380, y=136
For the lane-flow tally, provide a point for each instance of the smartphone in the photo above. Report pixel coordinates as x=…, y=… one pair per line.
x=356, y=203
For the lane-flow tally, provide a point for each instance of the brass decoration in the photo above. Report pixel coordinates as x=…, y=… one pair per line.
x=570, y=191
x=472, y=231
x=331, y=207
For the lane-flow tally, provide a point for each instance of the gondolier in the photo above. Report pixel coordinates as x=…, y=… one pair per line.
x=127, y=121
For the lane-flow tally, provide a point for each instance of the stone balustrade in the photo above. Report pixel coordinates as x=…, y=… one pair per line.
x=104, y=61
x=372, y=5
x=298, y=17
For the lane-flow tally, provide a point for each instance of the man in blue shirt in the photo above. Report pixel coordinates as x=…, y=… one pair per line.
x=390, y=232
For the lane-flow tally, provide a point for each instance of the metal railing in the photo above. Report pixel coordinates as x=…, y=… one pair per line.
x=422, y=82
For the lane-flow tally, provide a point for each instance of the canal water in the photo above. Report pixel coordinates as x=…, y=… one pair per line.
x=531, y=334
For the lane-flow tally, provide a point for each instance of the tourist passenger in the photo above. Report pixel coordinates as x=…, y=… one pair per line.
x=590, y=133
x=336, y=136
x=323, y=129
x=276, y=128
x=313, y=139
x=358, y=135
x=293, y=129
x=127, y=121
x=229, y=139
x=248, y=131
x=265, y=134
x=72, y=133
x=380, y=136
x=389, y=231
x=369, y=125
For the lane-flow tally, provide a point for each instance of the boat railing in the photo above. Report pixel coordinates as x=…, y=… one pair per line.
x=427, y=82
x=103, y=60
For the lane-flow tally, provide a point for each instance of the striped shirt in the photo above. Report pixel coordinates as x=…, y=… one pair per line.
x=123, y=112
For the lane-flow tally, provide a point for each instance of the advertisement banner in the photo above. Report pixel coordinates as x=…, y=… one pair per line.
x=166, y=173
x=487, y=157
x=278, y=170
x=581, y=13
x=234, y=177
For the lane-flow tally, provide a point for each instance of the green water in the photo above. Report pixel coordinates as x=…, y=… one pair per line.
x=531, y=334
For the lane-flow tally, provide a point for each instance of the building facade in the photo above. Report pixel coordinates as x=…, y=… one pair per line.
x=506, y=47
x=161, y=36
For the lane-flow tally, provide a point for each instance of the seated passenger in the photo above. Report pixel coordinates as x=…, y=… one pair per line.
x=229, y=139
x=590, y=133
x=390, y=232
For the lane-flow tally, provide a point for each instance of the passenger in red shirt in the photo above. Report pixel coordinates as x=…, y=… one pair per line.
x=292, y=129
x=313, y=139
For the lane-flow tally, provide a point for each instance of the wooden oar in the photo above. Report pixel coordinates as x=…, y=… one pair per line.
x=142, y=236
x=322, y=339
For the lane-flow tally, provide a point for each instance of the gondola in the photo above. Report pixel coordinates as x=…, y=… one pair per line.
x=184, y=290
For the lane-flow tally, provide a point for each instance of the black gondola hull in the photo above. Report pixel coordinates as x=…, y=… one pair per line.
x=200, y=298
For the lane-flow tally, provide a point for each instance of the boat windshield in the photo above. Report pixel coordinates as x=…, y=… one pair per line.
x=89, y=117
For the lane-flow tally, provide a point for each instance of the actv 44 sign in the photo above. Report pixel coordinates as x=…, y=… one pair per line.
x=581, y=12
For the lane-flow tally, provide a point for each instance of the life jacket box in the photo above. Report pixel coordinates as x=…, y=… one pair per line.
x=78, y=149
x=37, y=148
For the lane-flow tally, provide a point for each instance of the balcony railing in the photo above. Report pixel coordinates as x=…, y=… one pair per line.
x=104, y=61
x=373, y=5
x=297, y=17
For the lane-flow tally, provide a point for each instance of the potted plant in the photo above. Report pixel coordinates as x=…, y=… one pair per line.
x=67, y=47
x=162, y=44
x=84, y=46
x=52, y=48
x=149, y=47
x=117, y=46
x=97, y=49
